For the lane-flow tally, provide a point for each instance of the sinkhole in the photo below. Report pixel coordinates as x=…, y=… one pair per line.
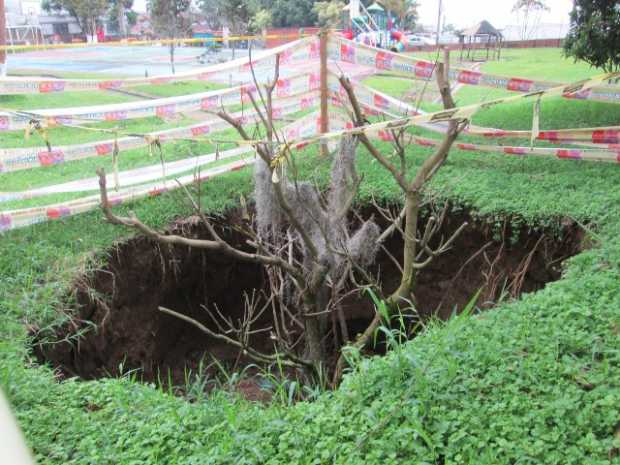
x=117, y=325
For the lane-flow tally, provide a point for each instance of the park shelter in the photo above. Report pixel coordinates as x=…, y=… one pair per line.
x=481, y=42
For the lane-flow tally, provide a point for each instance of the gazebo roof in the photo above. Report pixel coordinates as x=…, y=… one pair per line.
x=375, y=7
x=482, y=28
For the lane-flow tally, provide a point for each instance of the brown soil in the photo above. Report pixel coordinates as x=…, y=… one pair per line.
x=122, y=298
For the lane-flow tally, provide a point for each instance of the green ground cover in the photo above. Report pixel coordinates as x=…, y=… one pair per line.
x=536, y=381
x=62, y=99
x=175, y=89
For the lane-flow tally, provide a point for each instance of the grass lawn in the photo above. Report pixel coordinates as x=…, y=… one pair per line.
x=535, y=381
x=546, y=64
x=61, y=100
x=454, y=378
x=175, y=89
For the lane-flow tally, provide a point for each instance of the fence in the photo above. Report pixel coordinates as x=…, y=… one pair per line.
x=319, y=90
x=283, y=35
x=536, y=43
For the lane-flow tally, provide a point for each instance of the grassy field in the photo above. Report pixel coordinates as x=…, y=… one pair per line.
x=536, y=381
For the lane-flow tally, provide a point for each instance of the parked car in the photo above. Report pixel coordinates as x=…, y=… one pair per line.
x=415, y=39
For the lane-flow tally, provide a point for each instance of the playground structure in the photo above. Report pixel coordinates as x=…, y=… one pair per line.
x=23, y=28
x=481, y=42
x=374, y=26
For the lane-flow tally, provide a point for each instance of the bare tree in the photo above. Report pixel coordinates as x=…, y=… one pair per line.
x=302, y=237
x=417, y=252
x=312, y=253
x=173, y=20
x=529, y=12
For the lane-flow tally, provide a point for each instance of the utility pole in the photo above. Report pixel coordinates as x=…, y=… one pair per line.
x=439, y=21
x=2, y=39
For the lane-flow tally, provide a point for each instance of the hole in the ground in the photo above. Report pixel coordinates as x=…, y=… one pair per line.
x=122, y=299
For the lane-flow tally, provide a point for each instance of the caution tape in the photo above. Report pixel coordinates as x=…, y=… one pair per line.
x=344, y=50
x=603, y=135
x=18, y=218
x=13, y=219
x=300, y=51
x=16, y=159
x=605, y=138
x=560, y=153
x=338, y=120
x=131, y=43
x=601, y=154
x=461, y=113
x=163, y=108
x=123, y=179
x=374, y=101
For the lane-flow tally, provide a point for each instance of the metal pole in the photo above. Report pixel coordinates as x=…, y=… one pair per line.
x=2, y=39
x=323, y=37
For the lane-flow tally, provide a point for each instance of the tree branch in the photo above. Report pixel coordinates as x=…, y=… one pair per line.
x=217, y=245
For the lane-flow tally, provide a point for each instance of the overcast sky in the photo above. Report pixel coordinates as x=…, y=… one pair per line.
x=464, y=13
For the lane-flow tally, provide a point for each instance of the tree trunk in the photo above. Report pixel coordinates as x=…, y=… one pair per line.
x=120, y=13
x=172, y=55
x=404, y=294
x=313, y=336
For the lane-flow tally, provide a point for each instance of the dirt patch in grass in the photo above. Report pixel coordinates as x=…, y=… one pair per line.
x=118, y=304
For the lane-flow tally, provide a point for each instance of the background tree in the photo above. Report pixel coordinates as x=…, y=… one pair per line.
x=171, y=19
x=594, y=35
x=328, y=13
x=85, y=12
x=449, y=29
x=121, y=15
x=405, y=12
x=291, y=13
x=529, y=12
x=236, y=14
x=261, y=20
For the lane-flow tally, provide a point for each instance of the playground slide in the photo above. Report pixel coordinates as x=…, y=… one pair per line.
x=395, y=41
x=399, y=41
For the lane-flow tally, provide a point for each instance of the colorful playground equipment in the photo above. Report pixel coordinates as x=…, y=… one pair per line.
x=373, y=26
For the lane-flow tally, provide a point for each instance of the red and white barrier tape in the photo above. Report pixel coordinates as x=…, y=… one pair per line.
x=341, y=49
x=15, y=159
x=298, y=51
x=164, y=108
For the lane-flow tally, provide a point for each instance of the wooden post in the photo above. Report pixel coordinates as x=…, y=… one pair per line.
x=2, y=39
x=323, y=38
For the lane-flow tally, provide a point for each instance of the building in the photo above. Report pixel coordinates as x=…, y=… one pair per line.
x=541, y=31
x=60, y=28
